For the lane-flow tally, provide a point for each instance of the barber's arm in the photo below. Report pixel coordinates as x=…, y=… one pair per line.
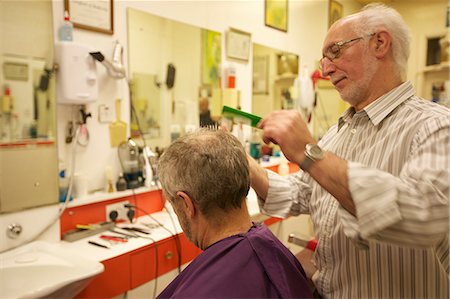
x=287, y=129
x=258, y=178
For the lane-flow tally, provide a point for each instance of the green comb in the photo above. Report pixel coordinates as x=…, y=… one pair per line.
x=239, y=116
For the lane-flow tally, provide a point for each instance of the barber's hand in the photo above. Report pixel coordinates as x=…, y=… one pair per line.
x=287, y=129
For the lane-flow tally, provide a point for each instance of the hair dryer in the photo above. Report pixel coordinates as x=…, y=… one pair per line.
x=115, y=67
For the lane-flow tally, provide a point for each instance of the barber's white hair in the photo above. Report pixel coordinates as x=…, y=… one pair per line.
x=376, y=16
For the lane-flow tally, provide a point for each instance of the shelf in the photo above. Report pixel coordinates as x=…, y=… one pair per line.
x=27, y=143
x=444, y=66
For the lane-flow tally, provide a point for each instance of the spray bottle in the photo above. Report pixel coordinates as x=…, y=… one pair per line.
x=65, y=32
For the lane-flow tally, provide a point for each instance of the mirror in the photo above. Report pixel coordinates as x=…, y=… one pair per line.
x=274, y=73
x=165, y=69
x=28, y=154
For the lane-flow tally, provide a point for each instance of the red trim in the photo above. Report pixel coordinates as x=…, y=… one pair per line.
x=27, y=143
x=150, y=202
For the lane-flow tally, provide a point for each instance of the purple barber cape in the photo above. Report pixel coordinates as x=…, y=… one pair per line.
x=251, y=265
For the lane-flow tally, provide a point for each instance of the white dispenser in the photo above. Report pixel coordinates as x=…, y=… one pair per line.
x=76, y=76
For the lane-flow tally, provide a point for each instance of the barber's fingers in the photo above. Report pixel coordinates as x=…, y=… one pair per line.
x=278, y=125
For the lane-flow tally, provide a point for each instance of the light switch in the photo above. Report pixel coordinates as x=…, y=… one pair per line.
x=105, y=113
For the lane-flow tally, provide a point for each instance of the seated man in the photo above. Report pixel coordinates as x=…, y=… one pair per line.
x=205, y=176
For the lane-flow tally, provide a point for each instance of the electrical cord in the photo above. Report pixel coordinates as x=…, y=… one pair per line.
x=174, y=235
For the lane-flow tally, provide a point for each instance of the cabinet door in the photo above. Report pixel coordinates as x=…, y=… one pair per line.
x=143, y=266
x=112, y=282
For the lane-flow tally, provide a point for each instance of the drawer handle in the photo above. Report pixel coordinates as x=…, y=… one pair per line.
x=168, y=255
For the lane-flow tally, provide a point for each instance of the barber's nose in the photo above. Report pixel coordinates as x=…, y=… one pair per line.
x=327, y=66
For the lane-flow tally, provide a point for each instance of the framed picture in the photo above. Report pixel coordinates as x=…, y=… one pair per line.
x=238, y=44
x=94, y=15
x=211, y=57
x=334, y=12
x=261, y=75
x=276, y=14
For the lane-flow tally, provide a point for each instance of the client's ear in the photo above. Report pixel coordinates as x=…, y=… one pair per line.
x=188, y=204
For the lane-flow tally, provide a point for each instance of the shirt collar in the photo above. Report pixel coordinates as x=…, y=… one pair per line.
x=381, y=107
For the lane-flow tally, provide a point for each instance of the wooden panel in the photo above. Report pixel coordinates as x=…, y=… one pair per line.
x=143, y=266
x=113, y=281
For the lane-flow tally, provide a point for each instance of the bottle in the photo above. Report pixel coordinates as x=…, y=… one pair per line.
x=7, y=102
x=65, y=32
x=121, y=183
x=255, y=145
x=63, y=186
x=283, y=168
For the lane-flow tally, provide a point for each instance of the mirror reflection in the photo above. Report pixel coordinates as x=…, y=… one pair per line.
x=165, y=61
x=27, y=109
x=274, y=73
x=27, y=106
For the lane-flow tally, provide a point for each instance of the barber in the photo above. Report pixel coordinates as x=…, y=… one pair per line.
x=377, y=184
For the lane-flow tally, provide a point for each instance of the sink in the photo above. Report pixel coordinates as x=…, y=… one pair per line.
x=45, y=270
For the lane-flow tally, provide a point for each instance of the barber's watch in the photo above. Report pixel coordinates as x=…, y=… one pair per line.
x=313, y=153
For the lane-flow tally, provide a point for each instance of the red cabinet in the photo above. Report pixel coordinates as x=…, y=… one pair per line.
x=140, y=266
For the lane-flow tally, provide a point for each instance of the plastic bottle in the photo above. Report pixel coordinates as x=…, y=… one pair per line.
x=7, y=102
x=283, y=168
x=255, y=145
x=65, y=32
x=121, y=183
x=63, y=186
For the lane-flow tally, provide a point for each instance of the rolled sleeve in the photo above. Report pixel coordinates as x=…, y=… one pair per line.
x=375, y=196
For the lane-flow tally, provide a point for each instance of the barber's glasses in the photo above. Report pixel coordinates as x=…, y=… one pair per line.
x=335, y=50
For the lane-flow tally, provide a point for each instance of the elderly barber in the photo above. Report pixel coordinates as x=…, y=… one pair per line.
x=377, y=184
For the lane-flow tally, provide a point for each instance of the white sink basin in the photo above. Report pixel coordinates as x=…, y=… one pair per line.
x=44, y=270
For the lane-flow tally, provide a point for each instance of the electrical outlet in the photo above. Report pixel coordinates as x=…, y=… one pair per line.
x=119, y=207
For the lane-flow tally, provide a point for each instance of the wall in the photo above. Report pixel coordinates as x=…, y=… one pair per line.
x=306, y=29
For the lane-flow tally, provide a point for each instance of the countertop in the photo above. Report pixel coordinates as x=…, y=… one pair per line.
x=158, y=233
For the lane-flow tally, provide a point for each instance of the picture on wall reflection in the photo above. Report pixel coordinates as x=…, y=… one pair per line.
x=211, y=57
x=334, y=12
x=276, y=14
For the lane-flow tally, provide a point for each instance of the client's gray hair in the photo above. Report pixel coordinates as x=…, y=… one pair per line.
x=210, y=166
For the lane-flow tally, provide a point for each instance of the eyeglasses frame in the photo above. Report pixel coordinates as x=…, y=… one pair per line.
x=340, y=46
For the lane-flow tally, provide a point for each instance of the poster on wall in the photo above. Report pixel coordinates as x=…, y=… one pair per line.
x=211, y=58
x=334, y=12
x=94, y=15
x=276, y=14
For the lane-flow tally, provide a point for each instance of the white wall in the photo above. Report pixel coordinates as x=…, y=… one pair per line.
x=307, y=25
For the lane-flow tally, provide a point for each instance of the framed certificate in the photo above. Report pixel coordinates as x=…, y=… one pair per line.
x=94, y=15
x=238, y=44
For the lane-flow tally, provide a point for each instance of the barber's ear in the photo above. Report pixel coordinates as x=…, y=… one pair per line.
x=188, y=204
x=383, y=43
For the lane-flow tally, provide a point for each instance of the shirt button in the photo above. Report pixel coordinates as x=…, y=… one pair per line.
x=353, y=131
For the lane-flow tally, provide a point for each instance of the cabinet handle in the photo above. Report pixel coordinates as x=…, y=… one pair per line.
x=168, y=255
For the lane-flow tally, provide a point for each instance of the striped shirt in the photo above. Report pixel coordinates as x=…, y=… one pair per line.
x=397, y=246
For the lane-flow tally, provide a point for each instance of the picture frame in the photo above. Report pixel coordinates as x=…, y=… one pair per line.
x=276, y=14
x=211, y=57
x=335, y=10
x=238, y=44
x=94, y=15
x=261, y=74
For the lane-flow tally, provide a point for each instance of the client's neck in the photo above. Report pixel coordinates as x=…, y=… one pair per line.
x=235, y=222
